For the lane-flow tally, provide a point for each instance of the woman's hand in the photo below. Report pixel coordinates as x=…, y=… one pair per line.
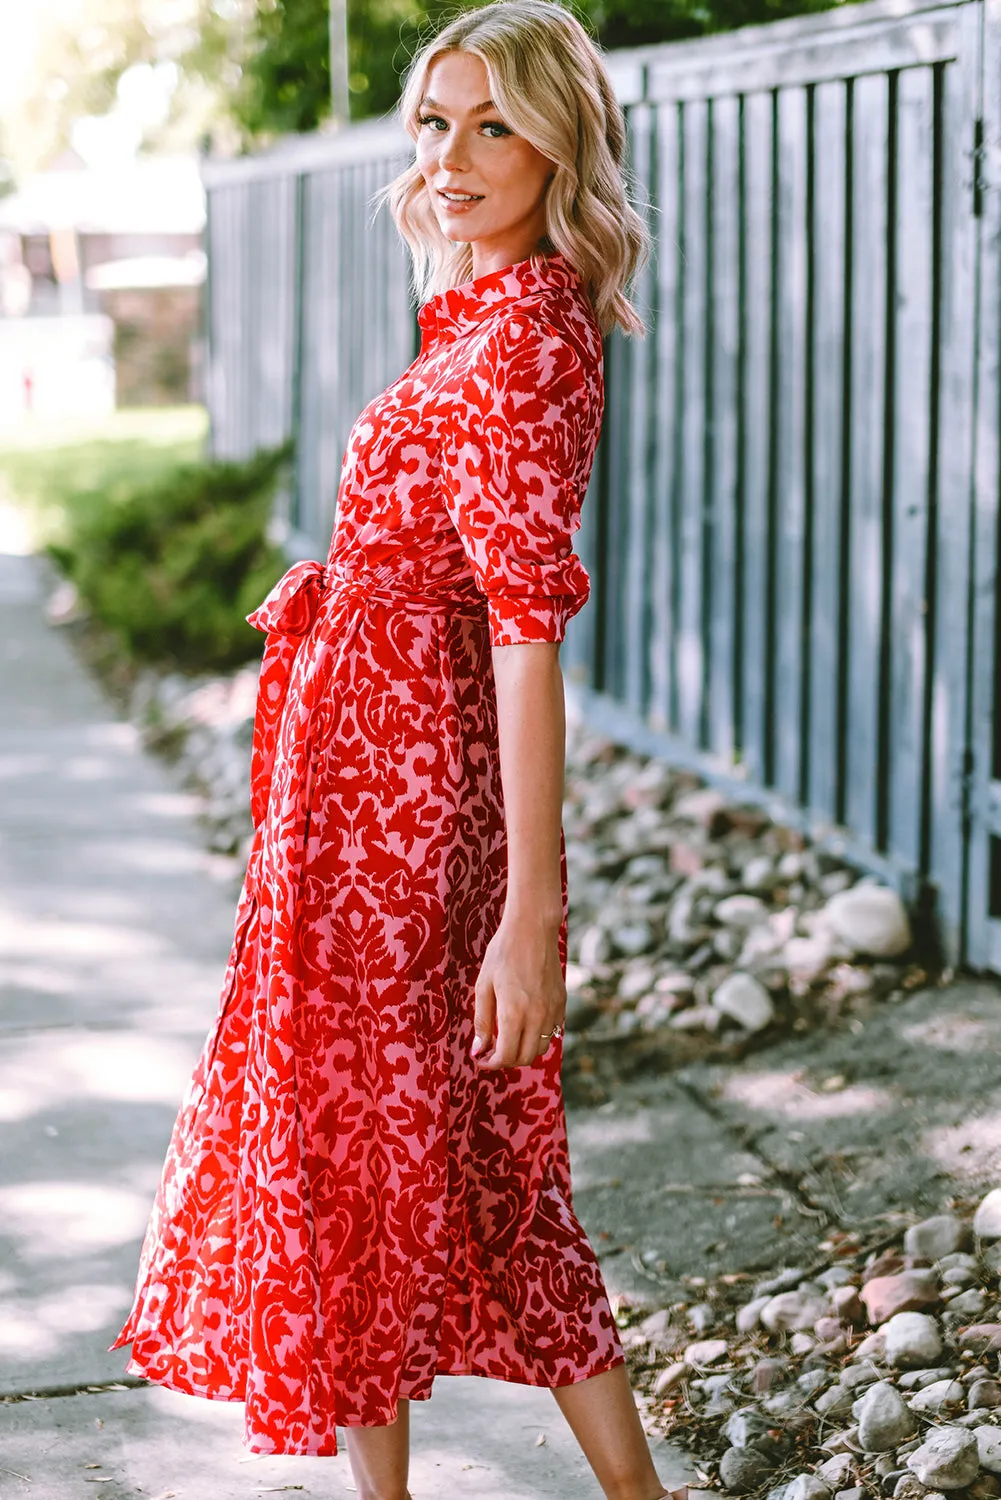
x=520, y=993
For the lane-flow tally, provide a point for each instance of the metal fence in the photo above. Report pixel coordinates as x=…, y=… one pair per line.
x=792, y=526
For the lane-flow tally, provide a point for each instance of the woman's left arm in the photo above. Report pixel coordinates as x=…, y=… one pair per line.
x=520, y=992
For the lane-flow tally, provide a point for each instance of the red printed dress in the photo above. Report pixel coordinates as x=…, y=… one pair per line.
x=349, y=1205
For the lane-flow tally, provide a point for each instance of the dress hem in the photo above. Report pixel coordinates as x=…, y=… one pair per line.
x=184, y=1388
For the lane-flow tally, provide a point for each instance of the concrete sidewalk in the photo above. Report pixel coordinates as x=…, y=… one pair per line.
x=114, y=927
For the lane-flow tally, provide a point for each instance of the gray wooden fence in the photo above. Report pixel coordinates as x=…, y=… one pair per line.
x=792, y=526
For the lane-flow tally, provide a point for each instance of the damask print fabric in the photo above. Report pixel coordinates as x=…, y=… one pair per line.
x=349, y=1205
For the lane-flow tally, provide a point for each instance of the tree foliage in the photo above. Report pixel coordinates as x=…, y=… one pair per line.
x=285, y=74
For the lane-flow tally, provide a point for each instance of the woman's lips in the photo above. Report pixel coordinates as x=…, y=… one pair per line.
x=458, y=207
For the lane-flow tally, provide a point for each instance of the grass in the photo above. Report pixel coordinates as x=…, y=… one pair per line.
x=50, y=470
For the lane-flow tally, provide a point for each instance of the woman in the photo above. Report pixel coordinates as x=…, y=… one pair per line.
x=368, y=1183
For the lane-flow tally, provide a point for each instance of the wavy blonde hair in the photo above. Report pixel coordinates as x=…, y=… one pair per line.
x=548, y=80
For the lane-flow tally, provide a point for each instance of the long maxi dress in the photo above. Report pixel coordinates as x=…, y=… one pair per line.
x=350, y=1205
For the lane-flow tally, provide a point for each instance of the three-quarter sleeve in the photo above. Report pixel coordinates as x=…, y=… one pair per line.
x=516, y=439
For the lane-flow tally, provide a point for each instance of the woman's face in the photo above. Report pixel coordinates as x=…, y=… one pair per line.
x=486, y=183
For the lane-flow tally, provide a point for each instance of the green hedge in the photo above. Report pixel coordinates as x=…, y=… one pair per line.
x=171, y=568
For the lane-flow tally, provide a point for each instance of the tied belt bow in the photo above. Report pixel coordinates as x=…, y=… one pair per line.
x=288, y=614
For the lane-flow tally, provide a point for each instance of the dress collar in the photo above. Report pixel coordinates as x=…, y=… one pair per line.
x=450, y=313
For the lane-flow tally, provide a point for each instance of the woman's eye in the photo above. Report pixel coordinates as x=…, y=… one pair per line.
x=496, y=125
x=430, y=120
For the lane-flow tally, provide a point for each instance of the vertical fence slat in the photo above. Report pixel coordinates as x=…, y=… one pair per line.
x=758, y=291
x=636, y=600
x=868, y=337
x=665, y=478
x=829, y=252
x=790, y=499
x=913, y=232
x=694, y=518
x=724, y=283
x=985, y=802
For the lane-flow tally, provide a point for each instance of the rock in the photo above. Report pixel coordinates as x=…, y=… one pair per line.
x=828, y=1328
x=836, y=1401
x=836, y=1470
x=845, y=1441
x=983, y=1394
x=887, y=1264
x=988, y=1441
x=670, y=1377
x=855, y=1493
x=705, y=1351
x=741, y=911
x=749, y=1316
x=916, y=1380
x=695, y=1018
x=968, y=1304
x=907, y=1487
x=870, y=919
x=705, y=806
x=801, y=1343
x=743, y=1469
x=745, y=1427
x=935, y=1237
x=848, y=1304
x=807, y=957
x=957, y=1258
x=938, y=1396
x=983, y=1337
x=948, y=1459
x=835, y=1276
x=987, y=1219
x=657, y=1323
x=807, y=1487
x=595, y=946
x=873, y=1346
x=633, y=938
x=886, y=1295
x=745, y=1000
x=702, y=1316
x=884, y=1420
x=854, y=1376
x=958, y=1276
x=792, y=1311
x=635, y=983
x=765, y=1374
x=912, y=1340
x=759, y=875
x=783, y=1281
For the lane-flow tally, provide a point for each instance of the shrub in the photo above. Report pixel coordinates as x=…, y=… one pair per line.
x=171, y=568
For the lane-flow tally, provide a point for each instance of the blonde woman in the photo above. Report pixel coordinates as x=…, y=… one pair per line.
x=368, y=1184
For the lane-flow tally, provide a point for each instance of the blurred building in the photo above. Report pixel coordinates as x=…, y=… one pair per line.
x=101, y=276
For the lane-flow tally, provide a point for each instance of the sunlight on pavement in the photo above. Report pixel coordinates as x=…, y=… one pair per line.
x=970, y=1150
x=778, y=1093
x=61, y=1220
x=38, y=1325
x=52, y=1071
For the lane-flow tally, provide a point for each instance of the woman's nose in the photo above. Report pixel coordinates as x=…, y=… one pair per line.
x=454, y=154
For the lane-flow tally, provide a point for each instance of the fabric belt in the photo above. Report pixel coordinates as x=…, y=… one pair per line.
x=288, y=614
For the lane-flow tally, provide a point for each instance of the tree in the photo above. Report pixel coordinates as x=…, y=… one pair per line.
x=285, y=77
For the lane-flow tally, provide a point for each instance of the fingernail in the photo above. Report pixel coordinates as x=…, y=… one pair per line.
x=477, y=1045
